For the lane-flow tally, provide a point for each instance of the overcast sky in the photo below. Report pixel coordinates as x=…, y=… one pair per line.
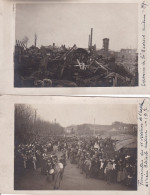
x=70, y=23
x=69, y=114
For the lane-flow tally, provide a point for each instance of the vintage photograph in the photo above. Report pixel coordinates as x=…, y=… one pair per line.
x=75, y=146
x=76, y=45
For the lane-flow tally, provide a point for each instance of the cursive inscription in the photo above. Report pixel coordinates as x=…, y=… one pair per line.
x=142, y=53
x=143, y=115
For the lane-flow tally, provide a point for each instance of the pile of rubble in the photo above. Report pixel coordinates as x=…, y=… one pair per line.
x=66, y=67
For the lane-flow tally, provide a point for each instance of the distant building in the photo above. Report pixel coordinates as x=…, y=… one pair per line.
x=106, y=46
x=127, y=54
x=105, y=52
x=129, y=59
x=71, y=129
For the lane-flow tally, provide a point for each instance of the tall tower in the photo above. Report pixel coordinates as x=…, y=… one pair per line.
x=106, y=46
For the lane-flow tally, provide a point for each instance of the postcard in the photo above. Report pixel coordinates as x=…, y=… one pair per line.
x=71, y=144
x=75, y=47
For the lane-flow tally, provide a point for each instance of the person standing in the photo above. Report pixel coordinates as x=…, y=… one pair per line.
x=101, y=169
x=87, y=166
x=114, y=172
x=120, y=172
x=25, y=161
x=109, y=168
x=34, y=162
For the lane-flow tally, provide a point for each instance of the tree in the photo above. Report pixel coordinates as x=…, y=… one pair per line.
x=25, y=40
x=48, y=129
x=24, y=123
x=29, y=128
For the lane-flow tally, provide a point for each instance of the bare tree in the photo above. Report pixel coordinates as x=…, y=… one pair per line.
x=29, y=128
x=25, y=40
x=24, y=123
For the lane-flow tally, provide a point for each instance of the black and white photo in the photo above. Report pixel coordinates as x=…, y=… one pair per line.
x=81, y=146
x=76, y=45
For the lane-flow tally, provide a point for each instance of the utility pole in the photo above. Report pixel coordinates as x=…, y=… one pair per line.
x=35, y=117
x=94, y=126
x=35, y=39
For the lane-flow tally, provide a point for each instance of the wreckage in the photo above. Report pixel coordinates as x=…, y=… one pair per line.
x=67, y=67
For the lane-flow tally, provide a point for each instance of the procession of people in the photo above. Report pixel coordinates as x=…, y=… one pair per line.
x=94, y=157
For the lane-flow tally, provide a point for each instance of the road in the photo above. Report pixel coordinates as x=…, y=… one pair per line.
x=72, y=180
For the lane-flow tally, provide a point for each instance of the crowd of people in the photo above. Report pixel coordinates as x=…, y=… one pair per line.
x=37, y=155
x=98, y=159
x=94, y=156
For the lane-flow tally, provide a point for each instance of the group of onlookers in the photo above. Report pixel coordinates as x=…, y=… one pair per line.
x=98, y=159
x=95, y=157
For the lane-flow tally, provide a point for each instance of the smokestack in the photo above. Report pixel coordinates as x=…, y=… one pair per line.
x=89, y=42
x=91, y=36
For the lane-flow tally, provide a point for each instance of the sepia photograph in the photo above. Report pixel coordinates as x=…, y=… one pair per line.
x=76, y=45
x=84, y=144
